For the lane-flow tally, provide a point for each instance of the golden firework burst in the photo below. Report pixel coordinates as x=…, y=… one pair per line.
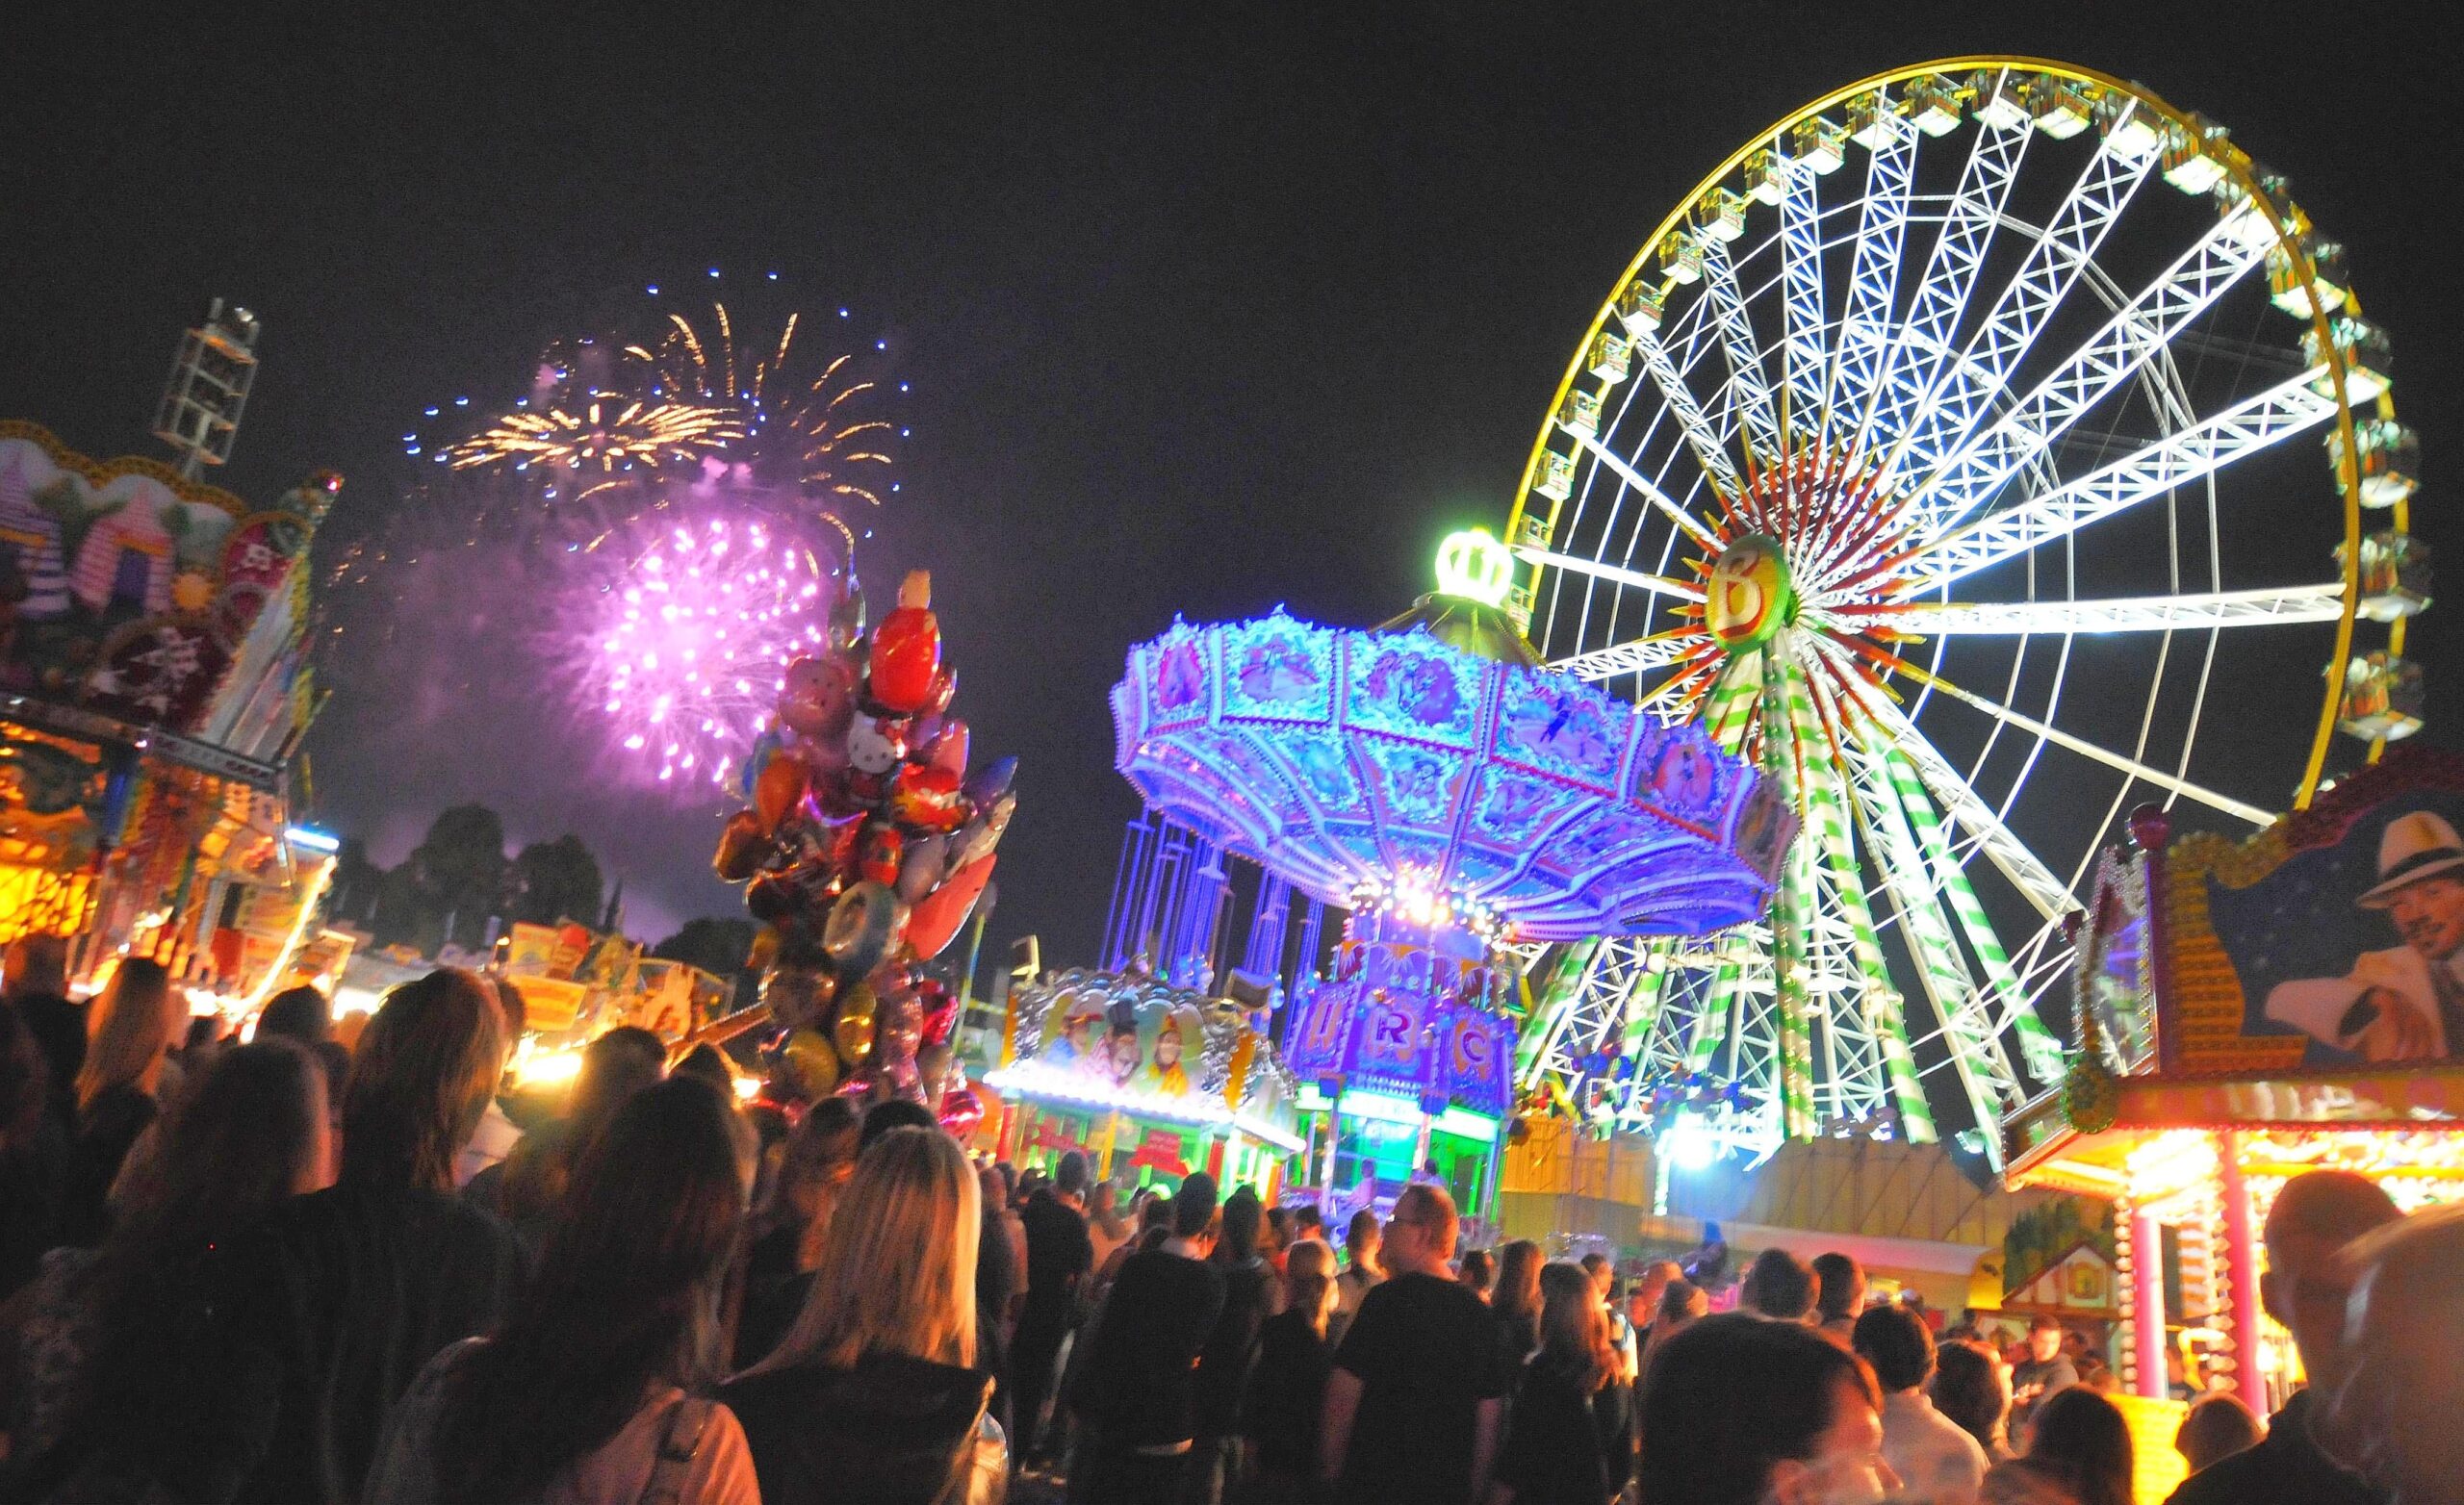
x=800, y=425
x=604, y=433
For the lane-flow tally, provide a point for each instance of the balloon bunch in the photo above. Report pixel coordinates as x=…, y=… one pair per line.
x=863, y=851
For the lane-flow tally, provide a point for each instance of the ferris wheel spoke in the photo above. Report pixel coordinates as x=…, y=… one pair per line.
x=1615, y=575
x=1752, y=393
x=2252, y=424
x=2135, y=613
x=1709, y=453
x=2085, y=749
x=2036, y=882
x=1918, y=892
x=1924, y=343
x=1801, y=285
x=1968, y=386
x=1864, y=1040
x=1873, y=280
x=2132, y=337
x=1652, y=491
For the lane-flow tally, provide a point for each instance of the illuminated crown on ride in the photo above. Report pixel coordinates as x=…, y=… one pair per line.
x=1430, y=768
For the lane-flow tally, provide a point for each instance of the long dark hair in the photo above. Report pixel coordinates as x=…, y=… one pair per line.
x=625, y=1298
x=1969, y=1388
x=420, y=1080
x=2082, y=1429
x=1518, y=1293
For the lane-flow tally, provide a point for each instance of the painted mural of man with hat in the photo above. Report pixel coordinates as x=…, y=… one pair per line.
x=2405, y=1002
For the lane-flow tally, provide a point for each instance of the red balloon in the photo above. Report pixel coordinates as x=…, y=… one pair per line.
x=925, y=797
x=937, y=919
x=961, y=1112
x=906, y=658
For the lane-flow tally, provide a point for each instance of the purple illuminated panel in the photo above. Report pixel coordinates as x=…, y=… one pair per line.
x=1339, y=759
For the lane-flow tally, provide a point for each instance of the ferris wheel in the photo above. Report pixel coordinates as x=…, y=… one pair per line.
x=1983, y=450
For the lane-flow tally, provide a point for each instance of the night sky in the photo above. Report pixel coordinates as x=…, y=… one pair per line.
x=1203, y=309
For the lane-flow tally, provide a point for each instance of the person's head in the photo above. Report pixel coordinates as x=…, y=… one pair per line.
x=1649, y=1284
x=2429, y=914
x=1420, y=1235
x=250, y=1133
x=814, y=1163
x=1737, y=1411
x=420, y=1080
x=897, y=1114
x=2394, y=1415
x=1602, y=1273
x=1309, y=1223
x=1895, y=1342
x=1278, y=1229
x=1518, y=1293
x=897, y=1271
x=2314, y=1217
x=1069, y=1176
x=1680, y=1302
x=705, y=1061
x=299, y=1014
x=614, y=1066
x=1309, y=1282
x=1478, y=1269
x=1574, y=1326
x=1780, y=1286
x=2218, y=1425
x=1193, y=1211
x=35, y=965
x=2044, y=1339
x=1167, y=1045
x=1972, y=1387
x=2083, y=1429
x=625, y=1296
x=513, y=1007
x=130, y=1030
x=1842, y=1289
x=1362, y=1239
x=1242, y=1216
x=1154, y=1213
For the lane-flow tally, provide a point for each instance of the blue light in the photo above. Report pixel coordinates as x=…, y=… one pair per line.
x=714, y=271
x=431, y=412
x=654, y=289
x=461, y=403
x=881, y=345
x=773, y=276
x=903, y=433
x=311, y=839
x=902, y=386
x=413, y=450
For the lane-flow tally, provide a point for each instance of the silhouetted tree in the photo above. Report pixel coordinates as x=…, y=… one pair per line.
x=556, y=881
x=716, y=946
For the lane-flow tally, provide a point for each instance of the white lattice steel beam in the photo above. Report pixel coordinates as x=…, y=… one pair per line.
x=1753, y=389
x=1866, y=329
x=2133, y=614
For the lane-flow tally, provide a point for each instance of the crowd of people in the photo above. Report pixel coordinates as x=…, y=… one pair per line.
x=295, y=1271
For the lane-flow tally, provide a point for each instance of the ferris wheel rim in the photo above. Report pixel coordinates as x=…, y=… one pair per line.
x=2285, y=239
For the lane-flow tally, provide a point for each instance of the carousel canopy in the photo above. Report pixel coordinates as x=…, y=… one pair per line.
x=1368, y=766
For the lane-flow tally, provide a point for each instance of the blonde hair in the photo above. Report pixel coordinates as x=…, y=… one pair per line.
x=131, y=1028
x=897, y=1271
x=1309, y=1282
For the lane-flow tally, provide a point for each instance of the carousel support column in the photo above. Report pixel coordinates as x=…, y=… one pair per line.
x=1334, y=1139
x=2147, y=1300
x=2240, y=1269
x=1491, y=1208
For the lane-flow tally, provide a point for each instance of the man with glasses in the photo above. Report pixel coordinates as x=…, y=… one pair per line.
x=2306, y=1287
x=1416, y=1403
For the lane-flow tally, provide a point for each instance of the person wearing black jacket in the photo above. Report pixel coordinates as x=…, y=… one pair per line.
x=1060, y=1257
x=1137, y=1399
x=343, y=1296
x=2304, y=1288
x=874, y=1395
x=1572, y=1438
x=1224, y=1363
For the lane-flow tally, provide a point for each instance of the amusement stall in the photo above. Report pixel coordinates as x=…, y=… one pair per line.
x=2246, y=1011
x=153, y=693
x=1148, y=1080
x=1459, y=802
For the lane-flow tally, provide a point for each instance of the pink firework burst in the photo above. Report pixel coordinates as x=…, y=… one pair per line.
x=687, y=644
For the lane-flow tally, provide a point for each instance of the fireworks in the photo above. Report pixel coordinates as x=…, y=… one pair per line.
x=606, y=434
x=682, y=652
x=802, y=426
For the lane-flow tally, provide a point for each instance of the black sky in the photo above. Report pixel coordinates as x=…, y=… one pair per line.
x=1205, y=308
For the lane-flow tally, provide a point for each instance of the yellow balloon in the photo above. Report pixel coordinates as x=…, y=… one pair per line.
x=813, y=1064
x=858, y=1008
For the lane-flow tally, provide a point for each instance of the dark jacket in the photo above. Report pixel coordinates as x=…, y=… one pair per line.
x=892, y=1431
x=2285, y=1466
x=333, y=1309
x=107, y=1128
